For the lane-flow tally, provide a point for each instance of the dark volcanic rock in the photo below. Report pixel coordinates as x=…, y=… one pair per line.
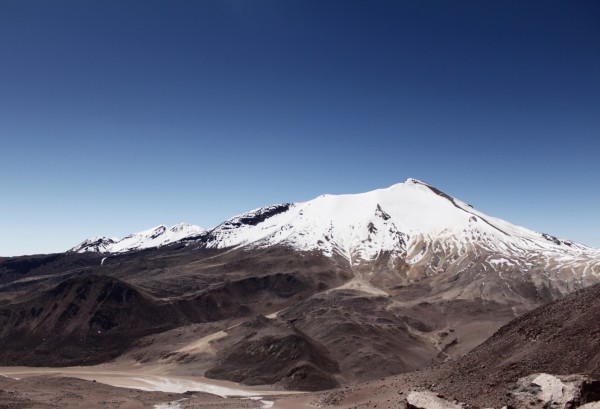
x=274, y=353
x=255, y=217
x=86, y=319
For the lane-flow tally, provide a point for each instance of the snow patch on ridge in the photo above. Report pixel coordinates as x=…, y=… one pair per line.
x=154, y=237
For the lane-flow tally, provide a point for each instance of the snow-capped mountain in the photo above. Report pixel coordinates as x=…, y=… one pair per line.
x=391, y=236
x=403, y=276
x=414, y=230
x=154, y=237
x=385, y=220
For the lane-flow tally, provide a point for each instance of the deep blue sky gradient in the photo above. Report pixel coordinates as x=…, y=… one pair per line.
x=116, y=116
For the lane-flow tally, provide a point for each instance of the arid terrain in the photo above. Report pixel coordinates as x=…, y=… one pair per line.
x=561, y=337
x=364, y=307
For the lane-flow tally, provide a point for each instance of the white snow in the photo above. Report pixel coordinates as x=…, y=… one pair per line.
x=373, y=221
x=98, y=244
x=501, y=260
x=410, y=220
x=154, y=237
x=402, y=219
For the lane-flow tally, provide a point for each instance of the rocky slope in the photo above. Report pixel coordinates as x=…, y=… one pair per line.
x=562, y=337
x=372, y=284
x=531, y=362
x=85, y=319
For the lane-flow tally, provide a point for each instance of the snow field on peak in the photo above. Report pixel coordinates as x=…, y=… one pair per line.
x=411, y=220
x=154, y=237
x=399, y=220
x=374, y=221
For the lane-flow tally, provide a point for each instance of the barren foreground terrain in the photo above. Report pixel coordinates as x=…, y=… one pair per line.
x=561, y=338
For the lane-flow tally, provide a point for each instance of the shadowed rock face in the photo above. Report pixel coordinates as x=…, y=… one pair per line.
x=256, y=217
x=85, y=319
x=91, y=318
x=23, y=265
x=70, y=309
x=231, y=299
x=270, y=352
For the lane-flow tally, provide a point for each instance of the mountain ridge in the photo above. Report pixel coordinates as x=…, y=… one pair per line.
x=444, y=220
x=412, y=230
x=157, y=236
x=382, y=282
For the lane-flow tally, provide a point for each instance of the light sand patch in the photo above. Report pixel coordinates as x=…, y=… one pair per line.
x=274, y=315
x=141, y=379
x=203, y=344
x=361, y=285
x=267, y=403
x=299, y=402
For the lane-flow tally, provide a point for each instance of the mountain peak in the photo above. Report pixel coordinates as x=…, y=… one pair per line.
x=154, y=237
x=415, y=181
x=389, y=220
x=408, y=183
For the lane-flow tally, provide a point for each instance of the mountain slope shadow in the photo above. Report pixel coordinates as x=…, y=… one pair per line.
x=89, y=319
x=562, y=337
x=83, y=320
x=264, y=351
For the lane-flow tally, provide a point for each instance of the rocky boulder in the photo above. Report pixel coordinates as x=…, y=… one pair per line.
x=542, y=390
x=429, y=400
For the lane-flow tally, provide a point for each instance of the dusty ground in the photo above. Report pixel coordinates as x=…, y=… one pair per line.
x=149, y=378
x=166, y=318
x=192, y=310
x=46, y=392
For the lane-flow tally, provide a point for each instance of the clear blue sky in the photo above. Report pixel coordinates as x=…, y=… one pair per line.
x=116, y=116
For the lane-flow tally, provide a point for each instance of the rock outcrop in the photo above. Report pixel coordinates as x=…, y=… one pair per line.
x=429, y=400
x=544, y=390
